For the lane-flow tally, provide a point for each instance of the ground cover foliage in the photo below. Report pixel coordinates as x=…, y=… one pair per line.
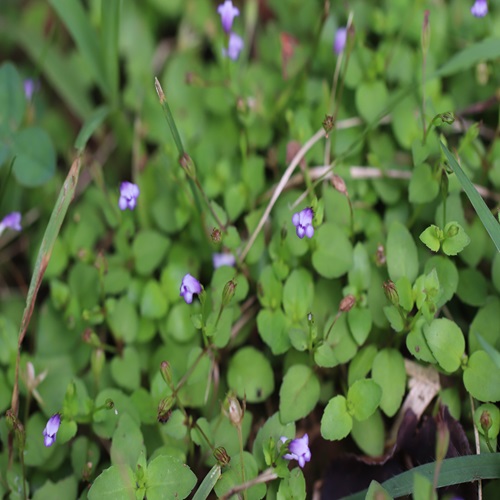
x=258, y=251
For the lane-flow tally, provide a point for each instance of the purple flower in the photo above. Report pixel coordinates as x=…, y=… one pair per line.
x=340, y=40
x=480, y=8
x=189, y=287
x=235, y=46
x=30, y=87
x=50, y=431
x=227, y=13
x=299, y=450
x=303, y=222
x=223, y=259
x=12, y=221
x=128, y=195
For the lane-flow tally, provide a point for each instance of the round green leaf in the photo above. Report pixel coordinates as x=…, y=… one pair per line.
x=272, y=330
x=126, y=370
x=333, y=255
x=269, y=288
x=472, y=287
x=481, y=377
x=360, y=273
x=123, y=319
x=369, y=434
x=179, y=325
x=273, y=429
x=154, y=303
x=65, y=488
x=401, y=251
x=298, y=294
x=336, y=422
x=361, y=364
x=447, y=275
x=168, y=479
x=455, y=238
x=299, y=393
x=363, y=398
x=423, y=187
x=250, y=374
x=116, y=482
x=149, y=249
x=35, y=157
x=360, y=324
x=127, y=443
x=446, y=342
x=389, y=372
x=371, y=99
x=12, y=98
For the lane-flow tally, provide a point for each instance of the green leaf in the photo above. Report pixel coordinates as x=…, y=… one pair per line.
x=371, y=99
x=298, y=294
x=65, y=488
x=360, y=273
x=369, y=434
x=481, y=377
x=115, y=483
x=377, y=492
x=360, y=324
x=292, y=487
x=447, y=274
x=12, y=98
x=333, y=255
x=110, y=27
x=472, y=287
x=422, y=488
x=489, y=222
x=268, y=435
x=35, y=157
x=492, y=352
x=473, y=54
x=250, y=374
x=127, y=443
x=269, y=288
x=299, y=393
x=123, y=319
x=208, y=483
x=446, y=342
x=363, y=398
x=92, y=123
x=493, y=414
x=336, y=422
x=154, y=303
x=423, y=186
x=402, y=258
x=416, y=343
x=168, y=479
x=149, y=249
x=455, y=238
x=388, y=371
x=361, y=364
x=126, y=370
x=78, y=24
x=272, y=330
x=431, y=237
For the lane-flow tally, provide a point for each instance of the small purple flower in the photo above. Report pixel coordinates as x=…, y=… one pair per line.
x=30, y=87
x=223, y=259
x=50, y=431
x=189, y=287
x=480, y=8
x=227, y=13
x=303, y=222
x=299, y=450
x=235, y=46
x=340, y=40
x=12, y=221
x=129, y=193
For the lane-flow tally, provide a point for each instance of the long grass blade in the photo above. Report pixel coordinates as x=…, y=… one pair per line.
x=110, y=24
x=489, y=222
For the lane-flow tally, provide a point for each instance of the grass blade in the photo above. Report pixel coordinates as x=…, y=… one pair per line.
x=110, y=25
x=76, y=20
x=453, y=471
x=208, y=483
x=49, y=238
x=478, y=203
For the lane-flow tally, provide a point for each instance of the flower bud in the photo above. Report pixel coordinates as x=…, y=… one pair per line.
x=91, y=338
x=221, y=456
x=97, y=360
x=165, y=409
x=216, y=235
x=339, y=185
x=347, y=303
x=391, y=292
x=188, y=166
x=228, y=292
x=166, y=372
x=380, y=258
x=485, y=421
x=442, y=440
x=235, y=412
x=109, y=404
x=328, y=124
